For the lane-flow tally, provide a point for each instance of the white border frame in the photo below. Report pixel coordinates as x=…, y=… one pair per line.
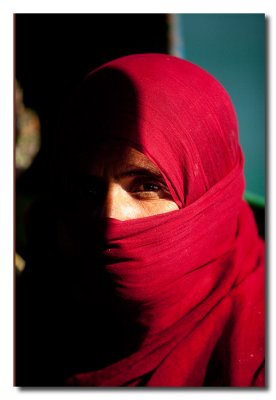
x=7, y=9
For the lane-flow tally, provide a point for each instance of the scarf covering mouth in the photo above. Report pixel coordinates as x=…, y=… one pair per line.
x=194, y=278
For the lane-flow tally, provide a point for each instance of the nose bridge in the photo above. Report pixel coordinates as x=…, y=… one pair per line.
x=116, y=202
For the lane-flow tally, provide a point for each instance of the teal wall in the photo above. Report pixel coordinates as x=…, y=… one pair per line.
x=232, y=48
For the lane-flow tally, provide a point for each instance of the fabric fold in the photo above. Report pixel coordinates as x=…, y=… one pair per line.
x=190, y=280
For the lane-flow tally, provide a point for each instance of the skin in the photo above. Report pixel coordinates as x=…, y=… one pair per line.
x=122, y=183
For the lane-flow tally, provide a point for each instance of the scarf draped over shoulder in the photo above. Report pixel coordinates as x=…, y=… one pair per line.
x=192, y=279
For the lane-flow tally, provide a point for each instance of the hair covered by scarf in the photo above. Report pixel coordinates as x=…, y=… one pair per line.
x=193, y=277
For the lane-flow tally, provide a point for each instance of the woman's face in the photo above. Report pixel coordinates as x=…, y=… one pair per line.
x=122, y=183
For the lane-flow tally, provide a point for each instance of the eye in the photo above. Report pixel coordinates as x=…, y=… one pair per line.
x=148, y=187
x=144, y=188
x=90, y=189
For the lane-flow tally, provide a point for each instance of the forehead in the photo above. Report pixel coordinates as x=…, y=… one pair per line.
x=116, y=157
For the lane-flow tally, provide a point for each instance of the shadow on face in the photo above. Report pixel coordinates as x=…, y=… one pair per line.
x=100, y=176
x=122, y=187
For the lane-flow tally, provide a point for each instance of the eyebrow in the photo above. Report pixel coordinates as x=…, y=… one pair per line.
x=140, y=171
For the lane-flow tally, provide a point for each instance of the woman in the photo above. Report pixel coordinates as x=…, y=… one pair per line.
x=164, y=278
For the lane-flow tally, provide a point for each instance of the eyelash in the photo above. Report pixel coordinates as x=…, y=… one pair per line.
x=154, y=187
x=140, y=188
x=143, y=189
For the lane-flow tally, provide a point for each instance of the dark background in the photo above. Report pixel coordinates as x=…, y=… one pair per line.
x=53, y=53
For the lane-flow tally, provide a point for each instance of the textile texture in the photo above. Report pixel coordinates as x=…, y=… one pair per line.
x=191, y=281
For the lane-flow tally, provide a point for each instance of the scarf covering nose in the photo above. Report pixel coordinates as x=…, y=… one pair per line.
x=194, y=277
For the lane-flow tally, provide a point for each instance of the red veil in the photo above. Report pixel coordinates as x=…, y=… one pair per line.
x=194, y=277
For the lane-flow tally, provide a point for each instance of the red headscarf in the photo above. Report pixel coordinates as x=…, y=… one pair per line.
x=193, y=277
